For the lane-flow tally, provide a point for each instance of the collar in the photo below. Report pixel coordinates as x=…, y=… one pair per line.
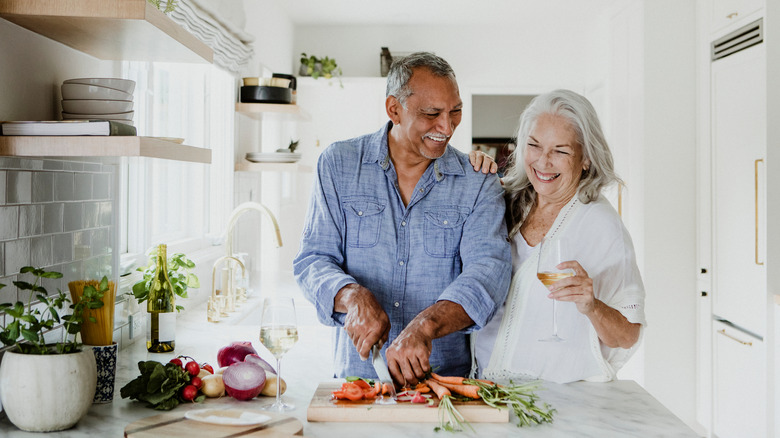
x=379, y=152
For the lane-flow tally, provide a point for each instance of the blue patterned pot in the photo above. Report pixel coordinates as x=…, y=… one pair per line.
x=105, y=358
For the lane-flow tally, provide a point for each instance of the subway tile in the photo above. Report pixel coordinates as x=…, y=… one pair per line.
x=40, y=251
x=18, y=187
x=2, y=187
x=2, y=263
x=30, y=164
x=72, y=216
x=73, y=165
x=8, y=293
x=42, y=187
x=62, y=248
x=90, y=215
x=82, y=186
x=63, y=186
x=53, y=218
x=92, y=167
x=81, y=244
x=30, y=220
x=100, y=241
x=105, y=210
x=9, y=223
x=9, y=163
x=52, y=165
x=101, y=186
x=17, y=255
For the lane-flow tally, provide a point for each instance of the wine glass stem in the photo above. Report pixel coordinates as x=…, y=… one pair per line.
x=555, y=319
x=279, y=381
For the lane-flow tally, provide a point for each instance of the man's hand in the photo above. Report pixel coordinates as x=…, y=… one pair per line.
x=366, y=322
x=409, y=354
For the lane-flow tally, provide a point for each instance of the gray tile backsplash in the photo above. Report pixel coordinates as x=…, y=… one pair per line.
x=56, y=215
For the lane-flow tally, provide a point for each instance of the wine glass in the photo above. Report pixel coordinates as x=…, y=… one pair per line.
x=552, y=253
x=278, y=332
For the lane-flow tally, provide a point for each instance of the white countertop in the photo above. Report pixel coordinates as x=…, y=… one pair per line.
x=615, y=409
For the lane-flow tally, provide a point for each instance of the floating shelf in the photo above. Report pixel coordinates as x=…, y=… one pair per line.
x=248, y=166
x=109, y=29
x=100, y=146
x=256, y=110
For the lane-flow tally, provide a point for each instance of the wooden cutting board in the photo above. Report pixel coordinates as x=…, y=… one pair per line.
x=174, y=424
x=323, y=408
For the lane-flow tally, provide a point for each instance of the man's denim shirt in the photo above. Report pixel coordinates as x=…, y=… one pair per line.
x=449, y=243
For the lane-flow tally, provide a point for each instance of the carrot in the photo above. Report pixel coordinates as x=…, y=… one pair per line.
x=386, y=388
x=422, y=388
x=470, y=391
x=455, y=380
x=440, y=390
x=487, y=382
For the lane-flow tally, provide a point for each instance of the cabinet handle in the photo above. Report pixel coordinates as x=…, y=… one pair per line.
x=723, y=332
x=755, y=174
x=732, y=15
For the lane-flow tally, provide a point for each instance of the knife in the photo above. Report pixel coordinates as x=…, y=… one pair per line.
x=383, y=375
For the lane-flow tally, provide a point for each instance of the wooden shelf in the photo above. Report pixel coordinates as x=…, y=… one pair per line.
x=248, y=166
x=256, y=110
x=101, y=146
x=109, y=29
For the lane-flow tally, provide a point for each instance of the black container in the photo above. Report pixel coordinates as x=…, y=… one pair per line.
x=262, y=94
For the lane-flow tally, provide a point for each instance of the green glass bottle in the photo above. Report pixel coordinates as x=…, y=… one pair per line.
x=161, y=325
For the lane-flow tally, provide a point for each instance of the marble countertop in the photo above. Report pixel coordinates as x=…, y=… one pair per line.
x=614, y=409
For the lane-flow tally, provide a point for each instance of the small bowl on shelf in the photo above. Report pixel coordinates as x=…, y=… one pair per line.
x=92, y=92
x=95, y=106
x=111, y=116
x=125, y=85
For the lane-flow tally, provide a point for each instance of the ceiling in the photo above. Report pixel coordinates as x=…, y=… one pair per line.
x=436, y=12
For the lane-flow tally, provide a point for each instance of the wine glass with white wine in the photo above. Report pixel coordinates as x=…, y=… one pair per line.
x=551, y=254
x=278, y=332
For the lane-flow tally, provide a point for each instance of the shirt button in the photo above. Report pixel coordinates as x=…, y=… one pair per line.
x=422, y=190
x=396, y=304
x=360, y=213
x=401, y=263
x=403, y=223
x=445, y=222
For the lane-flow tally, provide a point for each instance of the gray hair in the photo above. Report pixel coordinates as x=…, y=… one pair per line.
x=402, y=68
x=520, y=194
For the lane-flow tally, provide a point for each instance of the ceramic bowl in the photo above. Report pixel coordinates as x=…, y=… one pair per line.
x=84, y=91
x=125, y=85
x=93, y=106
x=112, y=116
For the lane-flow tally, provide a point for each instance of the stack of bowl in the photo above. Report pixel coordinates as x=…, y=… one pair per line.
x=98, y=99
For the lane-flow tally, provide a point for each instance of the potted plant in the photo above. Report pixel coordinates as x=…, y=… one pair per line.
x=46, y=386
x=316, y=67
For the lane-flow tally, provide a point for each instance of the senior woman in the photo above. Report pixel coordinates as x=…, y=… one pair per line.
x=553, y=190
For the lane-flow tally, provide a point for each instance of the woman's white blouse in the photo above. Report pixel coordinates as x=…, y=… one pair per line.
x=508, y=347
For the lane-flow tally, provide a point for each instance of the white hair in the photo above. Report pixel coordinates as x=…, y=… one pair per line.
x=520, y=194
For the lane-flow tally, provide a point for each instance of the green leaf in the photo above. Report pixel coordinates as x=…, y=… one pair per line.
x=28, y=269
x=23, y=285
x=29, y=335
x=51, y=275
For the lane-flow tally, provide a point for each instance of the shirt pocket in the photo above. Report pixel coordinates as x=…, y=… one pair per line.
x=443, y=231
x=363, y=221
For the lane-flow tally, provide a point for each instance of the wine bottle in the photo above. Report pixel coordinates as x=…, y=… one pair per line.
x=161, y=325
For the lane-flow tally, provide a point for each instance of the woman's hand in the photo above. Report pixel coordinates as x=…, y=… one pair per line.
x=612, y=327
x=577, y=289
x=482, y=161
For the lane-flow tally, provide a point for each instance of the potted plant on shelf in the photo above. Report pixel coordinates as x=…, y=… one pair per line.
x=46, y=386
x=315, y=67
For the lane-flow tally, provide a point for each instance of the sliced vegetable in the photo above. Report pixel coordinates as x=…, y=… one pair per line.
x=235, y=352
x=418, y=398
x=256, y=359
x=244, y=380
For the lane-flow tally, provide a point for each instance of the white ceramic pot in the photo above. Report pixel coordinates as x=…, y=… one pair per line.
x=43, y=393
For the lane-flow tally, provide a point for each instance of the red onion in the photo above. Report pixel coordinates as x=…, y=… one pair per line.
x=235, y=352
x=244, y=380
x=257, y=360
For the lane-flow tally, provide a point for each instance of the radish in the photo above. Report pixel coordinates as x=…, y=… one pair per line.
x=244, y=380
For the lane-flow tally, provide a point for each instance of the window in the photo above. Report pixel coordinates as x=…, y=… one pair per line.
x=173, y=202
